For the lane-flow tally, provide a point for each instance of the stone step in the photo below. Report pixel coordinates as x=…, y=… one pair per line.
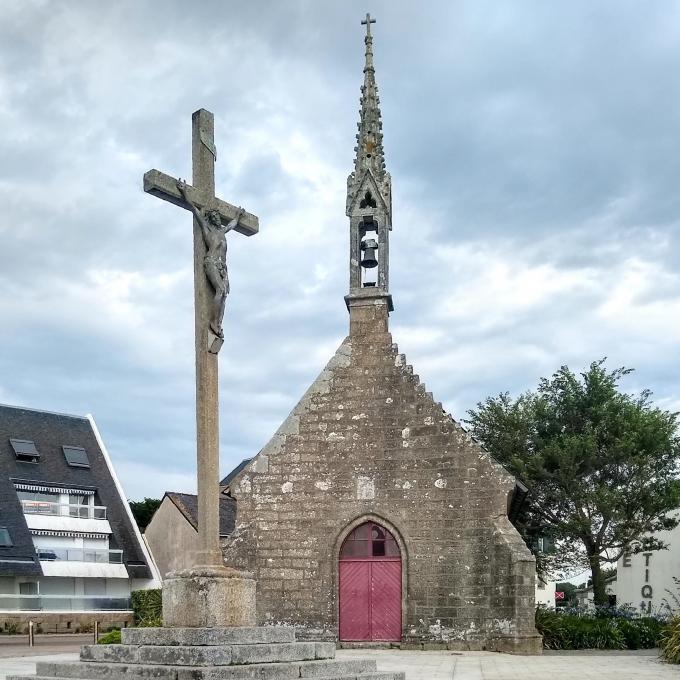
x=208, y=655
x=375, y=675
x=190, y=637
x=95, y=670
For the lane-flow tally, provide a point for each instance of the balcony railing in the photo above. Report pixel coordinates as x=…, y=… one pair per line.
x=64, y=509
x=80, y=555
x=72, y=603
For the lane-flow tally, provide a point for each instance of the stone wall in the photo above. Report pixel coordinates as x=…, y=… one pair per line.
x=368, y=442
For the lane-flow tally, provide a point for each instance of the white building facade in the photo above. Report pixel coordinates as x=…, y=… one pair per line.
x=646, y=580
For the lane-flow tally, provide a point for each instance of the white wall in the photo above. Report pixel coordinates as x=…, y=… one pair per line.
x=172, y=540
x=644, y=580
x=545, y=593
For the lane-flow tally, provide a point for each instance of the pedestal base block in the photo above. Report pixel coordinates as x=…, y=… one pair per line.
x=210, y=597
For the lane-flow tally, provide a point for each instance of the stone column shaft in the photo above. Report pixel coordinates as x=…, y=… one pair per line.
x=207, y=376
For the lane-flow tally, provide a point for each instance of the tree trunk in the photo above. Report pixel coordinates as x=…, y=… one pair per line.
x=600, y=597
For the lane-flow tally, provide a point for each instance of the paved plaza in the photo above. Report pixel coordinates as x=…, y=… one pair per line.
x=470, y=665
x=494, y=666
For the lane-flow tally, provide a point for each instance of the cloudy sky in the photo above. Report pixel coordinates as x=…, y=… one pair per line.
x=534, y=156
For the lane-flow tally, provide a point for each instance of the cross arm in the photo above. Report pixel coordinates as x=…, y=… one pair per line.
x=163, y=186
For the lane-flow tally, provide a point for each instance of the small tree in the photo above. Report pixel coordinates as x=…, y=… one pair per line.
x=144, y=510
x=601, y=465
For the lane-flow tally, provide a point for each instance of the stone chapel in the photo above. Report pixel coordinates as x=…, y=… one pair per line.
x=372, y=515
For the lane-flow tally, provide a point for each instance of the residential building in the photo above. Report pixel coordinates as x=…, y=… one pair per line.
x=70, y=551
x=545, y=593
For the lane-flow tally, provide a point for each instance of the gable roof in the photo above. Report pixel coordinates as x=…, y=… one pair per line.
x=187, y=504
x=50, y=432
x=234, y=473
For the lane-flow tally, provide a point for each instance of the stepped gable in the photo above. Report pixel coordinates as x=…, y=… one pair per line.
x=368, y=441
x=268, y=653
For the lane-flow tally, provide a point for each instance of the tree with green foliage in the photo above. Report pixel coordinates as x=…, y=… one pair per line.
x=144, y=510
x=569, y=590
x=601, y=465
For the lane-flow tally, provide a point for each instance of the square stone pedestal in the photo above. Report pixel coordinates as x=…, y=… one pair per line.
x=209, y=597
x=267, y=653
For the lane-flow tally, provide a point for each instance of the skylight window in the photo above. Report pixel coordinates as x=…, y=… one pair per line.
x=25, y=450
x=5, y=538
x=76, y=456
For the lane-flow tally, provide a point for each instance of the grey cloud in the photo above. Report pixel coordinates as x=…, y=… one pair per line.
x=529, y=136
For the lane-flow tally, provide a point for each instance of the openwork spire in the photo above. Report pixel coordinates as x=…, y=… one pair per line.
x=369, y=208
x=369, y=149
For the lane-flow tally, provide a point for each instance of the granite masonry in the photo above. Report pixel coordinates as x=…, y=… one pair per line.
x=371, y=515
x=267, y=653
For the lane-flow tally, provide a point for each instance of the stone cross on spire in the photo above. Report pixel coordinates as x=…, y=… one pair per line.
x=367, y=22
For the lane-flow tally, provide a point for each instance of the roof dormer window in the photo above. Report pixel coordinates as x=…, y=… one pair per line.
x=76, y=456
x=5, y=538
x=25, y=450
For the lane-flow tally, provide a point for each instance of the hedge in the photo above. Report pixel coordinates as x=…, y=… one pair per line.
x=607, y=628
x=147, y=606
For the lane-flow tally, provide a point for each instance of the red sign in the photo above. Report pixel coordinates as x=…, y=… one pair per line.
x=559, y=594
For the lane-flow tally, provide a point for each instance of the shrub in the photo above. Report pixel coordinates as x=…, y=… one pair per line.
x=605, y=629
x=642, y=633
x=110, y=638
x=670, y=641
x=551, y=626
x=147, y=606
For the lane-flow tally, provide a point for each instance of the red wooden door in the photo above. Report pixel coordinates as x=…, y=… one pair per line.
x=370, y=585
x=355, y=601
x=386, y=600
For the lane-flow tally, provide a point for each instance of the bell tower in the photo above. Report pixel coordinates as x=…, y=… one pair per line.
x=369, y=208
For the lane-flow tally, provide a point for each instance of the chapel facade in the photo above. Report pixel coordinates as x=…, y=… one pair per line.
x=372, y=515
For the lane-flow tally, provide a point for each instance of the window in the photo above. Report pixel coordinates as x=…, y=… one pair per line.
x=28, y=588
x=94, y=586
x=368, y=201
x=25, y=450
x=76, y=456
x=370, y=540
x=39, y=502
x=39, y=496
x=5, y=538
x=79, y=506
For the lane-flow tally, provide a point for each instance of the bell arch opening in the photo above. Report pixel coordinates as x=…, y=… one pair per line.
x=370, y=585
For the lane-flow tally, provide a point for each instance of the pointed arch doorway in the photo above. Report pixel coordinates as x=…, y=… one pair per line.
x=370, y=586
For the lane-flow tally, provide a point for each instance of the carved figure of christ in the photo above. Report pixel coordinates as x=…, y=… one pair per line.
x=200, y=199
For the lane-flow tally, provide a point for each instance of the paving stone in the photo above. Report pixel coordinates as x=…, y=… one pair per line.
x=326, y=669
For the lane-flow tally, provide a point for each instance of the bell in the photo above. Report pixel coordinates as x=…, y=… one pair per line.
x=369, y=258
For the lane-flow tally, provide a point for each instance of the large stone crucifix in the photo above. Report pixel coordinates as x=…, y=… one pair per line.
x=212, y=219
